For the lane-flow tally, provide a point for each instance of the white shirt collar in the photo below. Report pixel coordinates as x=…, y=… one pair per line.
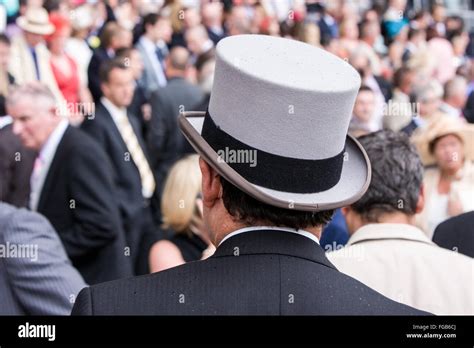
x=48, y=150
x=148, y=44
x=114, y=110
x=5, y=121
x=273, y=228
x=46, y=155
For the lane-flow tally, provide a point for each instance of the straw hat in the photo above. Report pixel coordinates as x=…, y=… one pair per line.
x=35, y=21
x=444, y=125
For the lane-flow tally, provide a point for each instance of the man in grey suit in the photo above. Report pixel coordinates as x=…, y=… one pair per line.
x=36, y=277
x=165, y=142
x=153, y=49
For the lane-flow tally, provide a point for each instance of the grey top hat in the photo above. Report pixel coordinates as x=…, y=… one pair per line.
x=277, y=123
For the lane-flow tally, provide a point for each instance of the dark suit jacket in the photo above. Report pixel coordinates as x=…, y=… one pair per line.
x=165, y=141
x=410, y=128
x=457, y=233
x=98, y=57
x=214, y=36
x=254, y=273
x=469, y=108
x=78, y=199
x=16, y=165
x=137, y=215
x=385, y=87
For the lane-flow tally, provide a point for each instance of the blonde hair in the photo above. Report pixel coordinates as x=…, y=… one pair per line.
x=182, y=187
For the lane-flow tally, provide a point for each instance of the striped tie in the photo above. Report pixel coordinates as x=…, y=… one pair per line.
x=135, y=150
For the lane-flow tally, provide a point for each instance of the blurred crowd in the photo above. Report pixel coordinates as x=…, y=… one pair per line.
x=118, y=181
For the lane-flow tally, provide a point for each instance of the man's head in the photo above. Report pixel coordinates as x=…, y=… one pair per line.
x=455, y=92
x=115, y=36
x=417, y=36
x=33, y=39
x=369, y=31
x=403, y=79
x=157, y=27
x=34, y=22
x=211, y=13
x=360, y=61
x=395, y=193
x=365, y=104
x=177, y=62
x=238, y=21
x=428, y=96
x=132, y=58
x=196, y=38
x=226, y=208
x=117, y=82
x=191, y=17
x=33, y=109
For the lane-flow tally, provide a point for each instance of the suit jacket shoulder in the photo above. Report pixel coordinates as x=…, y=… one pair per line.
x=457, y=234
x=51, y=277
x=255, y=273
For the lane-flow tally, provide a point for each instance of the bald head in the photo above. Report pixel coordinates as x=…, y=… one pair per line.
x=179, y=58
x=177, y=62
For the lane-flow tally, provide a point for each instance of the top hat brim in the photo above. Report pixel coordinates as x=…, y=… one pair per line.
x=40, y=29
x=353, y=183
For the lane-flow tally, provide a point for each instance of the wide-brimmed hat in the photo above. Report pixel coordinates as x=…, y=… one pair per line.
x=438, y=128
x=35, y=21
x=277, y=123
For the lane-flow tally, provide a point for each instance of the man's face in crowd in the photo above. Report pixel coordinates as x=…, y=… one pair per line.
x=162, y=30
x=364, y=106
x=120, y=87
x=123, y=38
x=33, y=121
x=33, y=39
x=429, y=105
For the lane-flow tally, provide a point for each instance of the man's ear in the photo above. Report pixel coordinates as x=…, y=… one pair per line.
x=351, y=219
x=345, y=210
x=103, y=88
x=420, y=204
x=211, y=184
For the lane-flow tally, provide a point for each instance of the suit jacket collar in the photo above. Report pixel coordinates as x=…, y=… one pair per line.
x=388, y=231
x=275, y=242
x=103, y=112
x=57, y=162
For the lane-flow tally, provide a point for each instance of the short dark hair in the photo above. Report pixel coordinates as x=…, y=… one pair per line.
x=109, y=65
x=365, y=88
x=400, y=75
x=249, y=211
x=412, y=32
x=4, y=39
x=397, y=175
x=124, y=52
x=109, y=31
x=150, y=19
